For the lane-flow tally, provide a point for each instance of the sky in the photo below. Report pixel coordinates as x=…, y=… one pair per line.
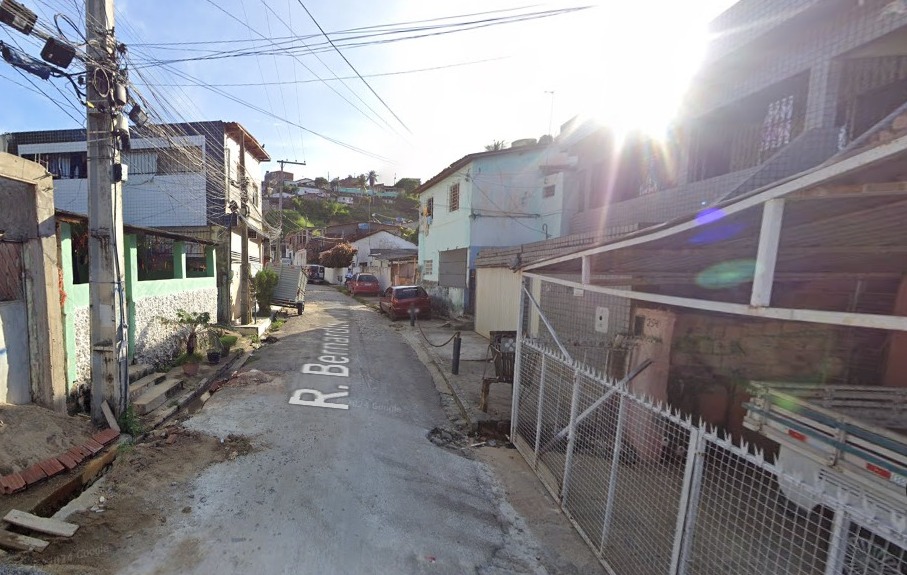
x=424, y=102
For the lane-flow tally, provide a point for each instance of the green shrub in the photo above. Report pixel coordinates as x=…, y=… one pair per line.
x=228, y=341
x=264, y=283
x=183, y=358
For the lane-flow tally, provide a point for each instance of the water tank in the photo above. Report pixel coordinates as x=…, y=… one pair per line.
x=523, y=142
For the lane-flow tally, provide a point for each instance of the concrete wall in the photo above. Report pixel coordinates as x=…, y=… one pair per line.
x=447, y=230
x=379, y=240
x=497, y=300
x=27, y=197
x=15, y=384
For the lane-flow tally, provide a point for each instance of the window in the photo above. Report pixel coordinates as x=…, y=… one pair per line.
x=548, y=192
x=453, y=198
x=141, y=162
x=179, y=160
x=63, y=165
x=428, y=268
x=430, y=207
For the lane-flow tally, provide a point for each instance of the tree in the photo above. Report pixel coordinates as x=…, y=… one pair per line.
x=372, y=178
x=408, y=184
x=495, y=146
x=335, y=183
x=339, y=256
x=362, y=179
x=321, y=183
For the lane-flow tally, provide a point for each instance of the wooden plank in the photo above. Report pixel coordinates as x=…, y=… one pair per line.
x=18, y=542
x=41, y=524
x=108, y=415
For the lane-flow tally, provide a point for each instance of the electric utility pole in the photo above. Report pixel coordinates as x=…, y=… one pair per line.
x=109, y=338
x=280, y=206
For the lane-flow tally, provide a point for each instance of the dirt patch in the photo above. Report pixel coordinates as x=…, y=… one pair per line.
x=123, y=524
x=245, y=378
x=29, y=434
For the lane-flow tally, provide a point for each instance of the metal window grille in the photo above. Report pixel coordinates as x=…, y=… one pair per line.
x=428, y=267
x=453, y=198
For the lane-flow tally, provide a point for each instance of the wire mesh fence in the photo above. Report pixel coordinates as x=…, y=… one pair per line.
x=650, y=489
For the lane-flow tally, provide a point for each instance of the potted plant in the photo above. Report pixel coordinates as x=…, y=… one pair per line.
x=263, y=285
x=195, y=323
x=215, y=348
x=227, y=342
x=189, y=362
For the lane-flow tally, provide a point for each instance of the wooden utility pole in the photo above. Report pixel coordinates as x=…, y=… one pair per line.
x=109, y=379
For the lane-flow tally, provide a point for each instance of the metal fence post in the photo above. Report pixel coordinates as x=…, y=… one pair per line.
x=837, y=544
x=515, y=396
x=615, y=466
x=689, y=502
x=571, y=434
x=541, y=404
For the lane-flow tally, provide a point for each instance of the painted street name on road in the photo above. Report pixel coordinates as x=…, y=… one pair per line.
x=335, y=348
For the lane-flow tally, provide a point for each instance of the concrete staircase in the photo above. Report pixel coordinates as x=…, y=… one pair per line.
x=149, y=390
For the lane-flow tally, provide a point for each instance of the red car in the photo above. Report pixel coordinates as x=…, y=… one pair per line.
x=364, y=284
x=397, y=301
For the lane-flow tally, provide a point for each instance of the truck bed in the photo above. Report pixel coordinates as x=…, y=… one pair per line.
x=855, y=430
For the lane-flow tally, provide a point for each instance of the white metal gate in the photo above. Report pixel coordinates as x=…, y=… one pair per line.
x=652, y=491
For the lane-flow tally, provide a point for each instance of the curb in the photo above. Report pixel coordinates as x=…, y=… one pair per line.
x=474, y=418
x=203, y=387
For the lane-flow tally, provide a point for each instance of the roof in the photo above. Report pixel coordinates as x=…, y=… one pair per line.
x=235, y=130
x=394, y=254
x=844, y=217
x=73, y=217
x=471, y=158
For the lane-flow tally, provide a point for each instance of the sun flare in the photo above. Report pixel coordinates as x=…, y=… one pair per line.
x=641, y=59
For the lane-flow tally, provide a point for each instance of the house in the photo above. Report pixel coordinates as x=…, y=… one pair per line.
x=45, y=319
x=393, y=248
x=182, y=178
x=487, y=199
x=775, y=96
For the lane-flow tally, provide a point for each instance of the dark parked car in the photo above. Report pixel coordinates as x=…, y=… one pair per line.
x=315, y=273
x=397, y=301
x=364, y=284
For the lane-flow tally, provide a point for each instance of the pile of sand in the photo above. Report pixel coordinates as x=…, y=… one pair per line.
x=29, y=434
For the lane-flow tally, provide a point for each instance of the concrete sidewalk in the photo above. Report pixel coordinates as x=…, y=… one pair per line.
x=432, y=337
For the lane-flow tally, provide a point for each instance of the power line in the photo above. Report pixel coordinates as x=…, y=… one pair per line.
x=376, y=75
x=353, y=68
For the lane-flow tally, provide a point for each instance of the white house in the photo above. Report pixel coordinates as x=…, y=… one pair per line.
x=363, y=261
x=488, y=199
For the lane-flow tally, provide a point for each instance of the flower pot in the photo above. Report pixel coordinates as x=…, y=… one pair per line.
x=190, y=369
x=213, y=357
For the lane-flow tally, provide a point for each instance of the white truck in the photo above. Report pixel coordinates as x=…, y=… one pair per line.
x=844, y=441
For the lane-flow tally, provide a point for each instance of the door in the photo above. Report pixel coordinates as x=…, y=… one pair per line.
x=15, y=372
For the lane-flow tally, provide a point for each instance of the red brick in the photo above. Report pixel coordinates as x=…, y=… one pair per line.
x=51, y=467
x=68, y=460
x=106, y=436
x=76, y=454
x=11, y=483
x=33, y=474
x=93, y=446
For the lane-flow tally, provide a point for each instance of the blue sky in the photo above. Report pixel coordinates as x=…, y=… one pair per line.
x=623, y=62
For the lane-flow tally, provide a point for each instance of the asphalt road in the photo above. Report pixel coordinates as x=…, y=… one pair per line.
x=346, y=480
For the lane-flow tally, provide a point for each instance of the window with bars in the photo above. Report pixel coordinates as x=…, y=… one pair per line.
x=430, y=207
x=428, y=267
x=453, y=197
x=548, y=192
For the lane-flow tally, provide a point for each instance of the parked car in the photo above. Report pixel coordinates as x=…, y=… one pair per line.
x=315, y=273
x=364, y=284
x=397, y=301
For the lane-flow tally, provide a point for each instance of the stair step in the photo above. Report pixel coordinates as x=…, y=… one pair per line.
x=157, y=395
x=138, y=371
x=139, y=387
